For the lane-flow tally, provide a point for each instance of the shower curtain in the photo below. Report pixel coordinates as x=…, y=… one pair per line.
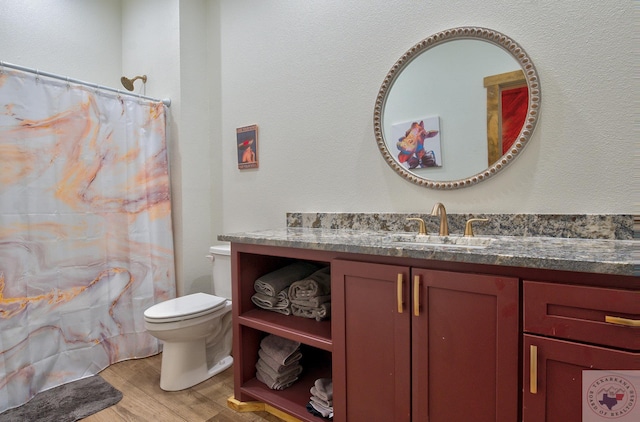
x=86, y=240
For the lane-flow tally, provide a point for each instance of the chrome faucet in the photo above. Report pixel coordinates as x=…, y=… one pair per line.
x=438, y=209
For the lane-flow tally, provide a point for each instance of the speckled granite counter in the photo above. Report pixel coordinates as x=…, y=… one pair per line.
x=570, y=254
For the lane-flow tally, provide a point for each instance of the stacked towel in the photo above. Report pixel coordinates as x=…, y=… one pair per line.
x=311, y=297
x=278, y=365
x=321, y=403
x=272, y=289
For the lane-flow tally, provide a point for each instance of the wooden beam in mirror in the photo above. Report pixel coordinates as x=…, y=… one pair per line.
x=507, y=95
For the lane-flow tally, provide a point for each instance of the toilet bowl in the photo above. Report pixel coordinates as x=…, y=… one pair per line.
x=196, y=332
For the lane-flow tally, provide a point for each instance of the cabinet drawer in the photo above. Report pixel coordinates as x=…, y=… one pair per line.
x=608, y=317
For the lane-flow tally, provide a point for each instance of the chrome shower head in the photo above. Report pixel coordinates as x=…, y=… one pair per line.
x=128, y=83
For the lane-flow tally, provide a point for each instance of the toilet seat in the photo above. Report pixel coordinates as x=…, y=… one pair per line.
x=184, y=307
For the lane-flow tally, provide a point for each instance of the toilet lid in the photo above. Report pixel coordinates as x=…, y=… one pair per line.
x=185, y=307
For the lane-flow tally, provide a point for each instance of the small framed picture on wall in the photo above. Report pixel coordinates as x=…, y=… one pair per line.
x=247, y=141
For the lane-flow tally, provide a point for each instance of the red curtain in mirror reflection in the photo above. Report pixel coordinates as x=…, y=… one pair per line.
x=514, y=112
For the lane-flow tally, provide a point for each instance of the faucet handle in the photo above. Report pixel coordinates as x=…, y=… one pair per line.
x=468, y=228
x=422, y=229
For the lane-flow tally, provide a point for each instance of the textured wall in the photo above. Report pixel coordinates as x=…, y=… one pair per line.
x=79, y=39
x=166, y=40
x=308, y=74
x=99, y=41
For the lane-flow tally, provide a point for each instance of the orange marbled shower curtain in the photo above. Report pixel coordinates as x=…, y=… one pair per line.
x=85, y=230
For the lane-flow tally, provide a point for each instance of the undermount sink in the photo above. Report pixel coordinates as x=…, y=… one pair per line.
x=451, y=241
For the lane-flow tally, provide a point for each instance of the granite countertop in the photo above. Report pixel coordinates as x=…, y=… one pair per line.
x=568, y=254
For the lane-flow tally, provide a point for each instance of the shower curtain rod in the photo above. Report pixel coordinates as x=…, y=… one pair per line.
x=165, y=101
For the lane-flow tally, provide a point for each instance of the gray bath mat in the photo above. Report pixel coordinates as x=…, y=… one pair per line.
x=66, y=403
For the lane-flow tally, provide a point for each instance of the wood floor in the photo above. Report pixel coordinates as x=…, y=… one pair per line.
x=143, y=400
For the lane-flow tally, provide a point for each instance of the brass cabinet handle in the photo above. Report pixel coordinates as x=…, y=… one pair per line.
x=533, y=369
x=622, y=321
x=400, y=289
x=416, y=295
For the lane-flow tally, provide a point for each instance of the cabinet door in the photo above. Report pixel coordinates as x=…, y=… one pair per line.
x=464, y=347
x=556, y=393
x=371, y=341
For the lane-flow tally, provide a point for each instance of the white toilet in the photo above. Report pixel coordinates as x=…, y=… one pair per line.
x=195, y=329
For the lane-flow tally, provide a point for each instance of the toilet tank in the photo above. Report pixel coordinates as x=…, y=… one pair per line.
x=221, y=258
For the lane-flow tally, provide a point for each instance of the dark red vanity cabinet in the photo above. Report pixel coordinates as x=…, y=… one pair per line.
x=413, y=344
x=465, y=343
x=443, y=343
x=569, y=329
x=371, y=342
x=557, y=395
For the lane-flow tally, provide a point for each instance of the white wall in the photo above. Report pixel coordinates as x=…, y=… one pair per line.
x=166, y=39
x=98, y=41
x=196, y=146
x=75, y=38
x=308, y=72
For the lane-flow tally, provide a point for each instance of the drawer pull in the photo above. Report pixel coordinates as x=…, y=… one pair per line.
x=533, y=369
x=416, y=295
x=400, y=301
x=622, y=321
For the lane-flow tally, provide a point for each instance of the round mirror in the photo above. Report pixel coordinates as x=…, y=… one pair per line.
x=457, y=108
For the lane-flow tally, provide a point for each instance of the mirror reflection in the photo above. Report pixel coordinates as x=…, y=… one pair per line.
x=456, y=108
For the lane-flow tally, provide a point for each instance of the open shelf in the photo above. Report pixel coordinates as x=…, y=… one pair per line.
x=307, y=331
x=251, y=324
x=292, y=400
